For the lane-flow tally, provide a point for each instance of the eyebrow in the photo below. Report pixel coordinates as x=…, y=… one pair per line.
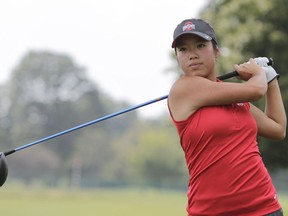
x=197, y=40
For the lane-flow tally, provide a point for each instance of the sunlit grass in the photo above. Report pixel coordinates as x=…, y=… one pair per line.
x=126, y=202
x=283, y=199
x=18, y=200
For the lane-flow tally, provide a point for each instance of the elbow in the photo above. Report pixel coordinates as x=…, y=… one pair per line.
x=283, y=130
x=276, y=136
x=280, y=135
x=283, y=135
x=257, y=95
x=276, y=133
x=258, y=92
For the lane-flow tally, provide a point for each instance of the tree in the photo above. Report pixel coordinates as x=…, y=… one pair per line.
x=48, y=93
x=158, y=158
x=42, y=92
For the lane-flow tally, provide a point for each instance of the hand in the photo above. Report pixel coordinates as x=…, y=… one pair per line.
x=271, y=74
x=262, y=61
x=248, y=69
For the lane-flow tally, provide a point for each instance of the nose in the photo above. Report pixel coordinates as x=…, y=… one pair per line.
x=192, y=55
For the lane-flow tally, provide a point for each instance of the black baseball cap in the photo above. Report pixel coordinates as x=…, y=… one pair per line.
x=194, y=26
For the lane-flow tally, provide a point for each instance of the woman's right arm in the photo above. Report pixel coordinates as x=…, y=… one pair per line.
x=190, y=93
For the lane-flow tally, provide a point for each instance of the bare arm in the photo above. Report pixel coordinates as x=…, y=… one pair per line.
x=190, y=93
x=271, y=123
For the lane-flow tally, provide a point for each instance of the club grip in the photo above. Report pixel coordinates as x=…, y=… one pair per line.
x=228, y=75
x=271, y=62
x=234, y=73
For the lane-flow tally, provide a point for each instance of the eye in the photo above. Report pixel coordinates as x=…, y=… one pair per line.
x=201, y=45
x=182, y=49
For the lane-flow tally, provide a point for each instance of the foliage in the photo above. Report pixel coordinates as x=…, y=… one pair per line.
x=49, y=93
x=159, y=158
x=236, y=23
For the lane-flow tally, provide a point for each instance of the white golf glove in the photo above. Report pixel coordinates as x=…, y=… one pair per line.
x=271, y=74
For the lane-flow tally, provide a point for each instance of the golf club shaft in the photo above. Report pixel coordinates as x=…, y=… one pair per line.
x=222, y=77
x=85, y=125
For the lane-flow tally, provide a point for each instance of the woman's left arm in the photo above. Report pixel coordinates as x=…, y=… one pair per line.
x=271, y=123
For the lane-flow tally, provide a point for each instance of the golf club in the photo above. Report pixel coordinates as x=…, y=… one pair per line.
x=3, y=161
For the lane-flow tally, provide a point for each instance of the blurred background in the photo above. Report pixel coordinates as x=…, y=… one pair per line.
x=64, y=63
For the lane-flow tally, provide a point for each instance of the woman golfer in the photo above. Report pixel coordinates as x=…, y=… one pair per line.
x=218, y=127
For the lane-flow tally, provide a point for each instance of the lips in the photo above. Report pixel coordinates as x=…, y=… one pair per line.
x=195, y=65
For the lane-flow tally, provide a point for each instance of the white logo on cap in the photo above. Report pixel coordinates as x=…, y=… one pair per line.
x=188, y=26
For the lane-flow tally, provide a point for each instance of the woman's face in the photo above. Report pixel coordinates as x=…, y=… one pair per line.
x=196, y=56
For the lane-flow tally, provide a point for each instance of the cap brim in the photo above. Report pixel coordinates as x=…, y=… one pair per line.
x=200, y=34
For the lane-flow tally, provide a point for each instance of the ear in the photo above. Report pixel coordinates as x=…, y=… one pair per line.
x=217, y=52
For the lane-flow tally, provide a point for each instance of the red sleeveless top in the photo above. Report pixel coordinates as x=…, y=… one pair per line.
x=227, y=174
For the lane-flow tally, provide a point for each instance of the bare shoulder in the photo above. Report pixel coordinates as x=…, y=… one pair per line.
x=182, y=97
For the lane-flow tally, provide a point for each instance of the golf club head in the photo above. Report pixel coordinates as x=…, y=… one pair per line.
x=3, y=169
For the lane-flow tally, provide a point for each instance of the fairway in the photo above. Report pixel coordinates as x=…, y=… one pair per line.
x=127, y=202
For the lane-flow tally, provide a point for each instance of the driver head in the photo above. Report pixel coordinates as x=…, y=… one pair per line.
x=3, y=169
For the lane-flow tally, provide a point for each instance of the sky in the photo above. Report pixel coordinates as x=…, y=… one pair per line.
x=124, y=45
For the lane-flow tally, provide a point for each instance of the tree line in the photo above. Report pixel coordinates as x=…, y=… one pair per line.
x=48, y=93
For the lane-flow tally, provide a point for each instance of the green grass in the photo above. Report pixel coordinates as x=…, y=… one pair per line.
x=43, y=202
x=22, y=201
x=283, y=199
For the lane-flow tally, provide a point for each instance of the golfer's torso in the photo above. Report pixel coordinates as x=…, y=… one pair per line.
x=224, y=162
